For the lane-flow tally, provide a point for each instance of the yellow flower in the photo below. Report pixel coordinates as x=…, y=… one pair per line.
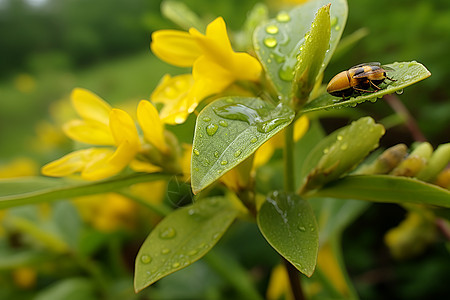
x=102, y=125
x=214, y=66
x=265, y=152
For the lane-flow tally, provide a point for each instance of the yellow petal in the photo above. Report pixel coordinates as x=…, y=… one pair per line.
x=174, y=93
x=124, y=154
x=175, y=47
x=90, y=106
x=123, y=128
x=142, y=166
x=99, y=167
x=217, y=49
x=301, y=127
x=73, y=162
x=263, y=154
x=89, y=132
x=215, y=45
x=151, y=125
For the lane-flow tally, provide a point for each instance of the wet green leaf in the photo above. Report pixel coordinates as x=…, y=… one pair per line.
x=277, y=42
x=288, y=224
x=406, y=74
x=312, y=54
x=339, y=152
x=182, y=238
x=32, y=190
x=228, y=131
x=386, y=189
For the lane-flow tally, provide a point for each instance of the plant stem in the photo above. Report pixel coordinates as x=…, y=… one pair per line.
x=397, y=105
x=294, y=280
x=289, y=186
x=289, y=175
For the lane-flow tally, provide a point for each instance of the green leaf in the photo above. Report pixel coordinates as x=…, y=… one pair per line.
x=69, y=289
x=32, y=190
x=406, y=74
x=288, y=224
x=277, y=42
x=182, y=238
x=340, y=152
x=387, y=189
x=228, y=131
x=311, y=57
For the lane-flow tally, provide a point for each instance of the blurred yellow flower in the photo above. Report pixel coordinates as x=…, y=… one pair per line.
x=107, y=212
x=105, y=126
x=279, y=286
x=24, y=277
x=214, y=67
x=18, y=167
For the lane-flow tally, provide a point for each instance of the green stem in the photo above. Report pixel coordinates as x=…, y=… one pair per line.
x=289, y=175
x=289, y=186
x=160, y=209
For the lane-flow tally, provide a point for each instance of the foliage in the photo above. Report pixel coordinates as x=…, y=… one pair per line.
x=246, y=104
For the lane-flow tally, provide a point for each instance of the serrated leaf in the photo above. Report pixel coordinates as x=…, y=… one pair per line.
x=288, y=224
x=339, y=152
x=228, y=131
x=32, y=190
x=182, y=238
x=277, y=42
x=386, y=189
x=406, y=74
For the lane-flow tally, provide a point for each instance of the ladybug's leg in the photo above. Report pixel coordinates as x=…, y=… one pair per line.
x=364, y=91
x=390, y=78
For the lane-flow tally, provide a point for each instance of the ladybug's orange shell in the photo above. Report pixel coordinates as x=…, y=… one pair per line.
x=339, y=82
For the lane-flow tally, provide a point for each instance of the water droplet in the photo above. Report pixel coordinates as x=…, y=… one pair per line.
x=223, y=123
x=311, y=227
x=401, y=66
x=270, y=42
x=325, y=151
x=192, y=252
x=211, y=129
x=206, y=119
x=230, y=100
x=269, y=61
x=167, y=233
x=283, y=17
x=145, y=259
x=337, y=27
x=254, y=140
x=216, y=154
x=165, y=251
x=191, y=212
x=175, y=265
x=411, y=64
x=340, y=137
x=223, y=162
x=333, y=21
x=196, y=169
x=399, y=92
x=301, y=228
x=237, y=153
x=196, y=152
x=272, y=29
x=344, y=146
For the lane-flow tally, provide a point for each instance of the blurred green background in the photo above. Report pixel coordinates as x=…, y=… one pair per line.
x=48, y=47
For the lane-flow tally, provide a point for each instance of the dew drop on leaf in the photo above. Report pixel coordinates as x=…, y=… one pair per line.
x=211, y=129
x=237, y=153
x=272, y=29
x=344, y=146
x=165, y=251
x=146, y=259
x=167, y=233
x=192, y=252
x=333, y=21
x=223, y=123
x=175, y=265
x=301, y=228
x=399, y=92
x=283, y=17
x=196, y=152
x=206, y=119
x=270, y=42
x=223, y=162
x=254, y=140
x=339, y=137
